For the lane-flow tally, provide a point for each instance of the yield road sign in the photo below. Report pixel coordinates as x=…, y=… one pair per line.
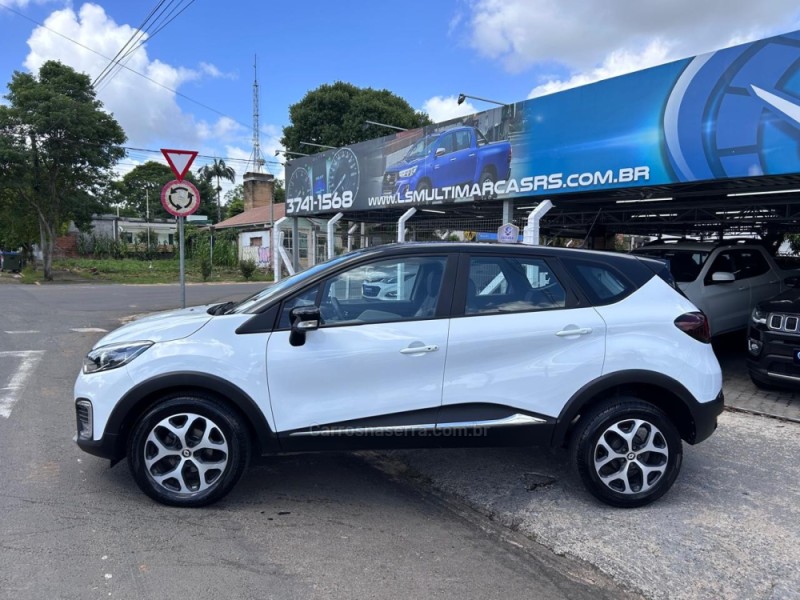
x=180, y=198
x=179, y=161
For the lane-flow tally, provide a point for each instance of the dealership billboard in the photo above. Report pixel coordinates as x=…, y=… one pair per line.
x=726, y=114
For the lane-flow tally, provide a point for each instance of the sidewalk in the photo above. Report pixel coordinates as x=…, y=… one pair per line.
x=741, y=393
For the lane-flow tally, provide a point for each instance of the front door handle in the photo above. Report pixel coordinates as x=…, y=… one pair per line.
x=419, y=349
x=575, y=331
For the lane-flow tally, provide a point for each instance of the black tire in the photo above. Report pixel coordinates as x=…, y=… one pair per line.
x=486, y=175
x=423, y=186
x=214, y=439
x=627, y=484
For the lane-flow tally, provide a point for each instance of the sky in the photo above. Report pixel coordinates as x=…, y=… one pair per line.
x=189, y=85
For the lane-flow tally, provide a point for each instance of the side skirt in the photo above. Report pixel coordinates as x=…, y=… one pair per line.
x=503, y=427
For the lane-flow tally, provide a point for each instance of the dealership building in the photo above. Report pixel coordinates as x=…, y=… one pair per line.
x=707, y=146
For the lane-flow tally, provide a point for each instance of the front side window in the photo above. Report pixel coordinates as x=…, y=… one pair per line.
x=383, y=291
x=511, y=284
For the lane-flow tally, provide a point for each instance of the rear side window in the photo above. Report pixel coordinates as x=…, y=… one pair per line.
x=601, y=283
x=507, y=284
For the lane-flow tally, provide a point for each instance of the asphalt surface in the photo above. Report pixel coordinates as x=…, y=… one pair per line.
x=307, y=526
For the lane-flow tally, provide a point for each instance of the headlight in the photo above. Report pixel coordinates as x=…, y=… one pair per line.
x=113, y=356
x=405, y=173
x=759, y=316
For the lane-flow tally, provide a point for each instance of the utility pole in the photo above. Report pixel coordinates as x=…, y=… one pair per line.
x=147, y=212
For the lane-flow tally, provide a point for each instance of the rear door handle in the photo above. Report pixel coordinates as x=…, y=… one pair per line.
x=576, y=331
x=419, y=349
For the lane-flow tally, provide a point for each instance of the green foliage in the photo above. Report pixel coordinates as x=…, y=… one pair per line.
x=794, y=242
x=234, y=201
x=142, y=186
x=334, y=115
x=279, y=196
x=101, y=246
x=57, y=146
x=247, y=267
x=205, y=267
x=217, y=170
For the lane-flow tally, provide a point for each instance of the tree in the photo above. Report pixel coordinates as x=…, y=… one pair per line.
x=218, y=170
x=57, y=146
x=19, y=227
x=279, y=195
x=234, y=201
x=335, y=115
x=142, y=186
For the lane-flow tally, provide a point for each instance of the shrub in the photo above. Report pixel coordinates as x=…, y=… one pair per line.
x=205, y=268
x=247, y=267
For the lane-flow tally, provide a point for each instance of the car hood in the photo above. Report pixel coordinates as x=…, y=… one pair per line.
x=785, y=302
x=160, y=327
x=404, y=164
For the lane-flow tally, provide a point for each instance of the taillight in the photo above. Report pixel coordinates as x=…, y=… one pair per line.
x=694, y=324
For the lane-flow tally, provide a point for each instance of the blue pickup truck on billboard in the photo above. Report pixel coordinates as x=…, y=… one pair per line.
x=457, y=156
x=733, y=113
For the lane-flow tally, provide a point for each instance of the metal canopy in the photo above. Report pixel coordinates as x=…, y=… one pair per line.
x=704, y=208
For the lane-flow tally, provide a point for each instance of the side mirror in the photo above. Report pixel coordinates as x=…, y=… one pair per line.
x=793, y=281
x=440, y=152
x=303, y=319
x=723, y=277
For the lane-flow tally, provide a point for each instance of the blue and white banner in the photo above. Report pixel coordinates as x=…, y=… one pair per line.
x=728, y=114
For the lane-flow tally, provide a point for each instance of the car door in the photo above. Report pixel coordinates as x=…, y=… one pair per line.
x=372, y=362
x=764, y=282
x=522, y=343
x=726, y=303
x=457, y=163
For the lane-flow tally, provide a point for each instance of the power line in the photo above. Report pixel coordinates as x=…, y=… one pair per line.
x=144, y=29
x=144, y=152
x=137, y=33
x=161, y=85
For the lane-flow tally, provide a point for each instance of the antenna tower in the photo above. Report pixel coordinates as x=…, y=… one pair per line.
x=257, y=160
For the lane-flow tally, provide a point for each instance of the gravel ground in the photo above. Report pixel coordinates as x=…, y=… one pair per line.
x=729, y=528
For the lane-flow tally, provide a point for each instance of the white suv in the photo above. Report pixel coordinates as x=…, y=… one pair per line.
x=724, y=279
x=495, y=345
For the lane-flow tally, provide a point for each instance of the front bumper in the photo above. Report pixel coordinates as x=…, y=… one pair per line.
x=775, y=363
x=107, y=446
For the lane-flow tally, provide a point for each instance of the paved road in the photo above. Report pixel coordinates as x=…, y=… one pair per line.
x=311, y=526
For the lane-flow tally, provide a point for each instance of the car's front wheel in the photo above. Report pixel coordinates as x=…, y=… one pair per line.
x=188, y=451
x=628, y=453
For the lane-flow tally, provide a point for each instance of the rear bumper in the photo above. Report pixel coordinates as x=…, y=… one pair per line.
x=705, y=417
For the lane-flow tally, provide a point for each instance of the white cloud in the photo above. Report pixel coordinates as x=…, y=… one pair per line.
x=444, y=108
x=144, y=107
x=618, y=62
x=213, y=71
x=583, y=33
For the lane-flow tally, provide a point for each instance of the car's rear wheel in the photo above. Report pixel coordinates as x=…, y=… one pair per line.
x=627, y=452
x=188, y=450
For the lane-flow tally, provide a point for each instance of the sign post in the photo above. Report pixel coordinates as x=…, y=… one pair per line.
x=180, y=198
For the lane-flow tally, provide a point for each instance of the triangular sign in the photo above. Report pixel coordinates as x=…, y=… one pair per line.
x=179, y=161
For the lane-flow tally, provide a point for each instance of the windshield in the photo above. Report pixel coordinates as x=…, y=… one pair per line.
x=685, y=265
x=283, y=284
x=421, y=148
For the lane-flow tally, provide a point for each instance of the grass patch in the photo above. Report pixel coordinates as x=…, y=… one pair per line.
x=126, y=270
